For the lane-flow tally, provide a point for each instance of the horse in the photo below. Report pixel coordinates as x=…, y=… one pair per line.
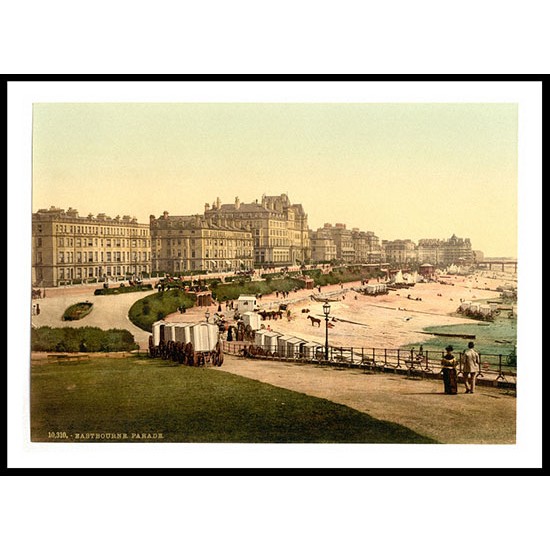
x=314, y=321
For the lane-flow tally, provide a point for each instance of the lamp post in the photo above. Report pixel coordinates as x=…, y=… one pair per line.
x=207, y=315
x=326, y=311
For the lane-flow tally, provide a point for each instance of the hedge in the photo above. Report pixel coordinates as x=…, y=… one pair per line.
x=122, y=289
x=85, y=339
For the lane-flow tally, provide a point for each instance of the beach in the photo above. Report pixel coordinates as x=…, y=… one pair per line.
x=389, y=321
x=392, y=321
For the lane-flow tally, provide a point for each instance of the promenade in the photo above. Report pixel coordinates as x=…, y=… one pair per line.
x=486, y=417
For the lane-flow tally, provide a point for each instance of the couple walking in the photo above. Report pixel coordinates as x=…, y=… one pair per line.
x=470, y=368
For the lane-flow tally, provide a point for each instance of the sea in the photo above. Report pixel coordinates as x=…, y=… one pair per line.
x=495, y=338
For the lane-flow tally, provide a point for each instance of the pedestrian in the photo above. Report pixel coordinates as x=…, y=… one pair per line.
x=37, y=309
x=470, y=367
x=448, y=363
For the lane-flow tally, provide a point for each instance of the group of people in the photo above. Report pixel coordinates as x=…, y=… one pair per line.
x=470, y=368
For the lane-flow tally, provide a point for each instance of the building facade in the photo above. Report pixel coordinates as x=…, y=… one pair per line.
x=195, y=243
x=323, y=249
x=366, y=246
x=68, y=248
x=430, y=251
x=445, y=252
x=279, y=228
x=399, y=252
x=457, y=251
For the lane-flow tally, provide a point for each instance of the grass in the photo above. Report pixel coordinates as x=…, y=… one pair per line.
x=77, y=311
x=233, y=290
x=155, y=307
x=188, y=404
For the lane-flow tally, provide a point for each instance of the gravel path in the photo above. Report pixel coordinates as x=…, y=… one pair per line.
x=107, y=312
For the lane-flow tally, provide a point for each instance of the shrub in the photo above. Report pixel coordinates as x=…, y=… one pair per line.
x=77, y=311
x=92, y=339
x=122, y=289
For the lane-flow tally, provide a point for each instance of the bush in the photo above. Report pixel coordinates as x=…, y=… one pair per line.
x=77, y=311
x=122, y=289
x=92, y=339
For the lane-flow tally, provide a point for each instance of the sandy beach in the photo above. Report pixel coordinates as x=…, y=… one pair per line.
x=386, y=321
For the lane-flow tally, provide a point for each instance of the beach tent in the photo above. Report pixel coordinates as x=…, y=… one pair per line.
x=398, y=278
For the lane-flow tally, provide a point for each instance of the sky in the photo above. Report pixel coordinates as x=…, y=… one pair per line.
x=401, y=170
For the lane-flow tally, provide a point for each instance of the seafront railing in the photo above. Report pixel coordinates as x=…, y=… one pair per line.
x=497, y=367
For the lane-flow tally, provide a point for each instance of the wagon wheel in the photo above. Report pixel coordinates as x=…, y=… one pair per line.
x=189, y=355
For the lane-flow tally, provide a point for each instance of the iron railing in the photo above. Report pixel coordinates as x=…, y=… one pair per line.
x=375, y=359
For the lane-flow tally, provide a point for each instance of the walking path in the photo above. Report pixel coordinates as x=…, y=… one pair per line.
x=107, y=312
x=487, y=416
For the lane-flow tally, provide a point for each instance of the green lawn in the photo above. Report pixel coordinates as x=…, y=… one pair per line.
x=189, y=404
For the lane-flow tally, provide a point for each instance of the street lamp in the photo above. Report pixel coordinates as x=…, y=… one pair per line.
x=207, y=315
x=326, y=311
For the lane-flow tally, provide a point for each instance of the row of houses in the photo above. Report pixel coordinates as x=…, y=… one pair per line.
x=70, y=248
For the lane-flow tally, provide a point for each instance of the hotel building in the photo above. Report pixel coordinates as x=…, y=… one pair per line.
x=195, y=243
x=68, y=248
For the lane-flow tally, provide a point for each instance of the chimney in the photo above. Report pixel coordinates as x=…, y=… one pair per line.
x=237, y=203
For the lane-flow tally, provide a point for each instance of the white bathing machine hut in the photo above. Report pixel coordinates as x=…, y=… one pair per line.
x=204, y=336
x=485, y=309
x=164, y=331
x=157, y=332
x=251, y=319
x=374, y=289
x=259, y=337
x=271, y=340
x=282, y=345
x=311, y=350
x=182, y=332
x=246, y=302
x=294, y=347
